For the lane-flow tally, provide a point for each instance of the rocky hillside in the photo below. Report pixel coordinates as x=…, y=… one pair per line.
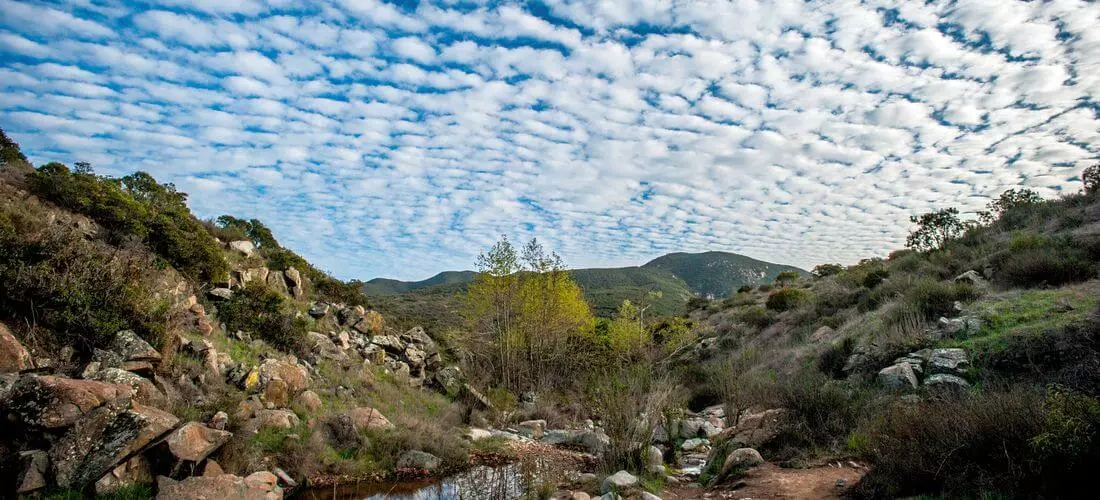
x=144, y=352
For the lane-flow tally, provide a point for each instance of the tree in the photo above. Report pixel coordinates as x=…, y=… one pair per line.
x=527, y=307
x=786, y=277
x=1091, y=179
x=1009, y=201
x=935, y=229
x=823, y=270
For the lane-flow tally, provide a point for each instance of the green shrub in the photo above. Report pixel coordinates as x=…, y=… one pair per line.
x=136, y=206
x=1038, y=261
x=786, y=299
x=757, y=316
x=825, y=270
x=988, y=442
x=263, y=313
x=932, y=299
x=9, y=150
x=832, y=360
x=787, y=277
x=820, y=415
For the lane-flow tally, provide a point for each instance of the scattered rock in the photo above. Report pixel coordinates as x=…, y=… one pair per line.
x=963, y=326
x=220, y=420
x=143, y=389
x=694, y=444
x=899, y=376
x=131, y=472
x=367, y=418
x=276, y=419
x=318, y=310
x=226, y=486
x=531, y=428
x=295, y=375
x=285, y=478
x=475, y=434
x=275, y=393
x=35, y=464
x=276, y=280
x=416, y=459
x=741, y=458
x=194, y=441
x=949, y=360
x=53, y=402
x=103, y=438
x=696, y=426
x=245, y=247
x=323, y=348
x=618, y=482
x=13, y=356
x=972, y=277
x=294, y=280
x=133, y=348
x=212, y=468
x=946, y=381
x=449, y=379
x=309, y=401
x=389, y=343
x=220, y=293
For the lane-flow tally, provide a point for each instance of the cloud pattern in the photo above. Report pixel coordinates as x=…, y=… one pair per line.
x=400, y=139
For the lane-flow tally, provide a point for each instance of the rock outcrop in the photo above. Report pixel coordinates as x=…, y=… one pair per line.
x=13, y=356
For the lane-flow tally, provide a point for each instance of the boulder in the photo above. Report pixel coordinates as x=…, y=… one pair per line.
x=275, y=393
x=475, y=434
x=741, y=458
x=593, y=441
x=449, y=379
x=220, y=420
x=308, y=401
x=276, y=419
x=318, y=310
x=277, y=281
x=531, y=428
x=244, y=247
x=368, y=323
x=365, y=418
x=899, y=376
x=143, y=389
x=323, y=348
x=220, y=293
x=53, y=402
x=972, y=277
x=697, y=426
x=417, y=336
x=13, y=356
x=262, y=479
x=389, y=343
x=294, y=280
x=34, y=466
x=225, y=486
x=618, y=482
x=295, y=375
x=416, y=459
x=655, y=460
x=950, y=360
x=133, y=348
x=211, y=468
x=129, y=473
x=194, y=442
x=946, y=381
x=963, y=326
x=103, y=438
x=694, y=444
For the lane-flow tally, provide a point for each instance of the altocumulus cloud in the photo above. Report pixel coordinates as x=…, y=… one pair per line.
x=399, y=139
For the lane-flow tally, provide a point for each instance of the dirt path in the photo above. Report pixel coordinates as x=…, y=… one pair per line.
x=770, y=481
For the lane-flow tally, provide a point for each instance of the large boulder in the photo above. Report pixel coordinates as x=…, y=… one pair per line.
x=618, y=482
x=946, y=381
x=129, y=473
x=741, y=458
x=449, y=379
x=194, y=442
x=593, y=441
x=54, y=402
x=143, y=389
x=295, y=375
x=321, y=347
x=755, y=429
x=949, y=360
x=390, y=343
x=226, y=486
x=133, y=348
x=13, y=356
x=416, y=459
x=698, y=427
x=972, y=277
x=276, y=419
x=104, y=438
x=367, y=322
x=898, y=376
x=963, y=326
x=276, y=280
x=308, y=401
x=365, y=418
x=294, y=282
x=244, y=247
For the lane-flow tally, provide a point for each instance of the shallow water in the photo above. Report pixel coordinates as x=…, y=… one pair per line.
x=504, y=482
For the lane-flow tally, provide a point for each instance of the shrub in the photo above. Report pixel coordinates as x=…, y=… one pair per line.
x=874, y=278
x=786, y=299
x=757, y=316
x=787, y=277
x=697, y=302
x=932, y=299
x=934, y=229
x=820, y=415
x=262, y=312
x=136, y=206
x=744, y=289
x=1038, y=261
x=630, y=403
x=988, y=442
x=1091, y=179
x=824, y=270
x=832, y=360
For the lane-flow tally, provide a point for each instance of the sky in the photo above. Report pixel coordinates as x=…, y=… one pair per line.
x=400, y=139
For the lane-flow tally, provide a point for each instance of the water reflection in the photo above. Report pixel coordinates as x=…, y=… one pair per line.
x=489, y=483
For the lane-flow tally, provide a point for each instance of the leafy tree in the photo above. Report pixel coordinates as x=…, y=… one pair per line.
x=935, y=229
x=528, y=308
x=626, y=333
x=1091, y=179
x=1008, y=202
x=823, y=270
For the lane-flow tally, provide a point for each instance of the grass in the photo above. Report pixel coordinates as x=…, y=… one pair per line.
x=1027, y=313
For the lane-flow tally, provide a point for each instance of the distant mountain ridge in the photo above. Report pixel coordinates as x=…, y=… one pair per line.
x=677, y=276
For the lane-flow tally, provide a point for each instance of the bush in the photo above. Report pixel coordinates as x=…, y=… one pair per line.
x=820, y=415
x=757, y=316
x=786, y=299
x=932, y=299
x=136, y=206
x=262, y=312
x=1017, y=443
x=787, y=277
x=697, y=302
x=832, y=360
x=1090, y=177
x=824, y=270
x=1039, y=261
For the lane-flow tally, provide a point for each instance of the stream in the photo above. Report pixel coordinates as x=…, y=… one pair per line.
x=503, y=482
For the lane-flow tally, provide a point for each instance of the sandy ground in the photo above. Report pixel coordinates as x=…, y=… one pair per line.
x=770, y=481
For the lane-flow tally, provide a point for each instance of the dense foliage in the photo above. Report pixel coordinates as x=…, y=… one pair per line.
x=138, y=207
x=263, y=313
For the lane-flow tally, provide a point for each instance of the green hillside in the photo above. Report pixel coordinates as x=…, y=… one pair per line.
x=677, y=276
x=718, y=273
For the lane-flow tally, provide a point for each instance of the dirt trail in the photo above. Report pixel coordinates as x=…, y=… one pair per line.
x=770, y=481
